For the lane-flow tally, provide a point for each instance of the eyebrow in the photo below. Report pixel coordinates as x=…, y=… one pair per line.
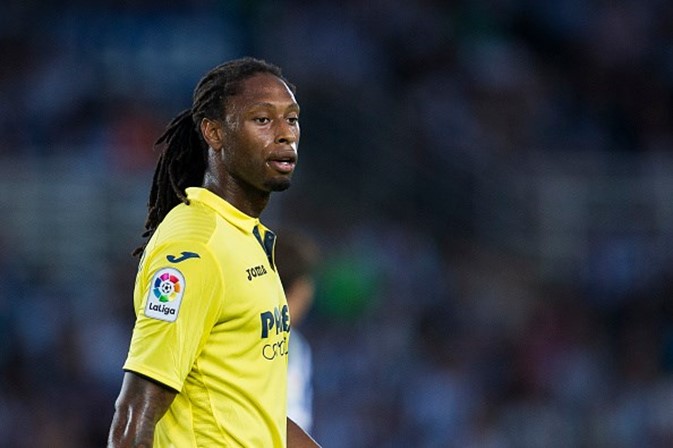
x=294, y=106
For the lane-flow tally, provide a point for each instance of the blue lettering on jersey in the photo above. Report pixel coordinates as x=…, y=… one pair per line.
x=278, y=319
x=275, y=343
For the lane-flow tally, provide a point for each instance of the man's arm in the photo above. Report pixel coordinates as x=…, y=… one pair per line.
x=140, y=405
x=297, y=437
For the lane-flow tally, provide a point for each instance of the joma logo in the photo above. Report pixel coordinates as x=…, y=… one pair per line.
x=257, y=271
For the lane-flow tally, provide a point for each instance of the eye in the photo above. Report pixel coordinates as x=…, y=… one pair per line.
x=262, y=120
x=293, y=120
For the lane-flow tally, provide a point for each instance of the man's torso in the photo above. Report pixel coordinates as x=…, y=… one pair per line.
x=212, y=324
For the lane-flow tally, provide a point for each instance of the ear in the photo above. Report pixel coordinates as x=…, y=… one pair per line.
x=213, y=133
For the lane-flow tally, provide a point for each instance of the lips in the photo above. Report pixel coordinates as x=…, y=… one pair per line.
x=284, y=164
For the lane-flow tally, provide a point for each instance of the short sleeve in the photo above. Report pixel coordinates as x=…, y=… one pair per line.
x=178, y=299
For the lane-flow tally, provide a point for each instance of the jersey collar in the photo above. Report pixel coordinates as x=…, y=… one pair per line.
x=223, y=208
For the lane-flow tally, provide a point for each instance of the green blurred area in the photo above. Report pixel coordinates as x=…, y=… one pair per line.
x=347, y=287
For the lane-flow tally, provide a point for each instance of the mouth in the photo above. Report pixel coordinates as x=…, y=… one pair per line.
x=283, y=164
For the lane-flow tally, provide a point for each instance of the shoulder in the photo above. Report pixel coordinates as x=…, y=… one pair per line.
x=186, y=223
x=183, y=234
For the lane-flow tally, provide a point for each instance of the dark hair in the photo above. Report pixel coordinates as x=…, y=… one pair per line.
x=184, y=156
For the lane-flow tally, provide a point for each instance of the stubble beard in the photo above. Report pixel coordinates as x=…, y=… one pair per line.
x=278, y=185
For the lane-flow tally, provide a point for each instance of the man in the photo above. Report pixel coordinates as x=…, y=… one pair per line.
x=296, y=258
x=207, y=363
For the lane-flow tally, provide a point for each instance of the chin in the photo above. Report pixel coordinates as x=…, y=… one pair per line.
x=279, y=184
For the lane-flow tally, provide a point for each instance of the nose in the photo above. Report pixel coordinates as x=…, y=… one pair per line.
x=287, y=133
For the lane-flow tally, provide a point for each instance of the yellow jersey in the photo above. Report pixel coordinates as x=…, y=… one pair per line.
x=213, y=324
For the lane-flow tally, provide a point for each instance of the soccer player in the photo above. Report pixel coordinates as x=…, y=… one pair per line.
x=207, y=363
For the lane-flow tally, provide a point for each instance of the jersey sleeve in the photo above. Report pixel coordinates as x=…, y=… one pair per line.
x=178, y=298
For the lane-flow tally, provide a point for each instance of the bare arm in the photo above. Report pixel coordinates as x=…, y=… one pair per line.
x=140, y=405
x=297, y=437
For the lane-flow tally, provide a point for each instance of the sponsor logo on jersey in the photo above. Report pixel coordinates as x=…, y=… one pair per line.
x=165, y=295
x=275, y=328
x=276, y=349
x=255, y=272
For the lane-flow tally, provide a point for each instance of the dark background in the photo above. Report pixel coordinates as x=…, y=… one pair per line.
x=490, y=183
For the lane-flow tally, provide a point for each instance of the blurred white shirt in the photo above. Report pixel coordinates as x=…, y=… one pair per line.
x=299, y=382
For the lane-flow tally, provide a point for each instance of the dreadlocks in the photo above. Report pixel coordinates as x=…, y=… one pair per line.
x=184, y=156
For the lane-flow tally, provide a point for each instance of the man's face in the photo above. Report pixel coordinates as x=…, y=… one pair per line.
x=261, y=134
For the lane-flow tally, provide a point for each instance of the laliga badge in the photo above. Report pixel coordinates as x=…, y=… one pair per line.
x=166, y=291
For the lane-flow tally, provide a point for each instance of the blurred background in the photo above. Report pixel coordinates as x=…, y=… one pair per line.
x=490, y=183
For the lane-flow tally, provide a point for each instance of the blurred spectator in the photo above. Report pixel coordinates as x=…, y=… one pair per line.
x=296, y=258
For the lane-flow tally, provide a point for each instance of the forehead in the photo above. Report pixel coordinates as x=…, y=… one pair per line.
x=263, y=88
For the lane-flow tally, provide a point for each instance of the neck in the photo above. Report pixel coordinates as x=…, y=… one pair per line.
x=245, y=198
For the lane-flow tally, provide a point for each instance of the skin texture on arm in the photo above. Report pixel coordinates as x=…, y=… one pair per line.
x=297, y=437
x=140, y=405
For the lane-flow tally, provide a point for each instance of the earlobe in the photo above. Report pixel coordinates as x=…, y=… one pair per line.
x=212, y=133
